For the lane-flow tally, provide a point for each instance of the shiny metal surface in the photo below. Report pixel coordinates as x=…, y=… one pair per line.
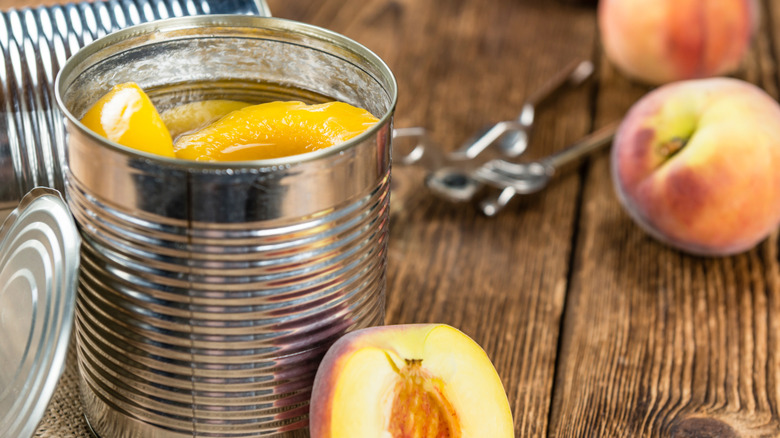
x=531, y=177
x=39, y=259
x=458, y=176
x=35, y=43
x=210, y=291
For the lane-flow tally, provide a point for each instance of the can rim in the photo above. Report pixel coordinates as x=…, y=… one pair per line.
x=233, y=21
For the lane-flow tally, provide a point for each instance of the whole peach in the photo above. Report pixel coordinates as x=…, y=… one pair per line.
x=696, y=162
x=660, y=41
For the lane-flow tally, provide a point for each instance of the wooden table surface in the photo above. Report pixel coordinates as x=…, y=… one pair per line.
x=596, y=329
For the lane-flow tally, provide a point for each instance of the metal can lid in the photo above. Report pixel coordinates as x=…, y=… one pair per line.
x=39, y=259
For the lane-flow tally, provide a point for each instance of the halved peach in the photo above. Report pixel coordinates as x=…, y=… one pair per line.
x=127, y=116
x=273, y=130
x=189, y=117
x=408, y=381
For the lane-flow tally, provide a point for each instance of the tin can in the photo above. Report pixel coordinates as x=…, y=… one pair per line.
x=208, y=292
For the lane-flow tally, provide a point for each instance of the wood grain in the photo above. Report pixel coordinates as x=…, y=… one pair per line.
x=658, y=343
x=462, y=66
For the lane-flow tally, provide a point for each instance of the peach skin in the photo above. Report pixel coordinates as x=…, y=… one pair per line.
x=660, y=41
x=695, y=164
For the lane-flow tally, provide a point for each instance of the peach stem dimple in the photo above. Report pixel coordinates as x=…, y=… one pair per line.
x=672, y=146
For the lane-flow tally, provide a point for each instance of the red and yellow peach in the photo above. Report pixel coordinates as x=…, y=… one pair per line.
x=696, y=163
x=660, y=41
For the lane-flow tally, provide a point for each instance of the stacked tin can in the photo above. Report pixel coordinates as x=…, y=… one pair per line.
x=35, y=43
x=208, y=292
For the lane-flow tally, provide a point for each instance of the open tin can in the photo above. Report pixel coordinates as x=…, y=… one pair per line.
x=208, y=292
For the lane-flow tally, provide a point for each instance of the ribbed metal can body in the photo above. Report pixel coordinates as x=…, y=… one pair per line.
x=210, y=291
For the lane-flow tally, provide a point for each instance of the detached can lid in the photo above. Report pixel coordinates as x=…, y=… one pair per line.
x=39, y=259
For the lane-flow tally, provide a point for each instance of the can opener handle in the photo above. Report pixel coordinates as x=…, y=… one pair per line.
x=458, y=176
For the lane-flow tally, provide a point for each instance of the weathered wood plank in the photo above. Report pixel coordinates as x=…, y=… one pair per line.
x=656, y=342
x=461, y=66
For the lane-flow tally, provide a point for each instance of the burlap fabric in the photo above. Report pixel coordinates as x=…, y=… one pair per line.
x=64, y=418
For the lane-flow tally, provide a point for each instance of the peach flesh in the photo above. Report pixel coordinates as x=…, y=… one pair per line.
x=408, y=381
x=126, y=115
x=420, y=408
